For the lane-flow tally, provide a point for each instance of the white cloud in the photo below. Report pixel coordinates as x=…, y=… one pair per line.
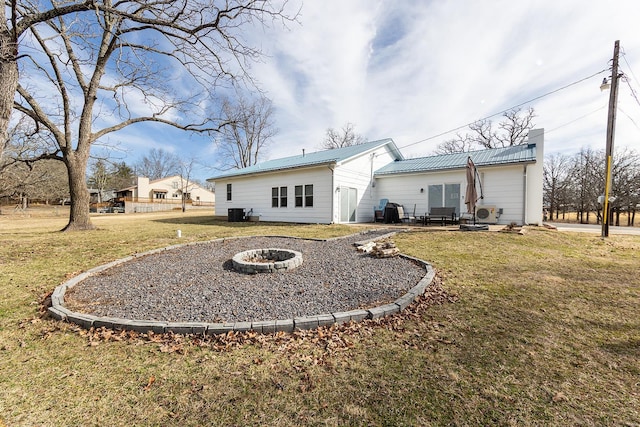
x=411, y=70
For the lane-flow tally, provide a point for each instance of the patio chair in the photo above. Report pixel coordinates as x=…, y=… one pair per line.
x=405, y=216
x=378, y=211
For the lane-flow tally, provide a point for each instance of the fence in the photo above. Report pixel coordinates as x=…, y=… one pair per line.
x=168, y=201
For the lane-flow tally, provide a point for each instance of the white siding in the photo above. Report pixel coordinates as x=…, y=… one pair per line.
x=535, y=179
x=358, y=173
x=405, y=189
x=255, y=193
x=502, y=186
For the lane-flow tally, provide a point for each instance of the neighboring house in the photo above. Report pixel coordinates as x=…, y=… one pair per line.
x=101, y=196
x=344, y=185
x=164, y=194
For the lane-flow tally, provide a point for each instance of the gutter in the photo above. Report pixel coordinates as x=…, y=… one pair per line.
x=524, y=196
x=266, y=171
x=332, y=168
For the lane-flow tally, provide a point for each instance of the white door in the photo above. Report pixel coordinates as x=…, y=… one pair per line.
x=348, y=200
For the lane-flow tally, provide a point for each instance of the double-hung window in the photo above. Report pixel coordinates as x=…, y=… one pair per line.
x=308, y=195
x=279, y=197
x=304, y=195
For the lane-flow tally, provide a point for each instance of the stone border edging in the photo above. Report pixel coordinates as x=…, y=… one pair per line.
x=87, y=321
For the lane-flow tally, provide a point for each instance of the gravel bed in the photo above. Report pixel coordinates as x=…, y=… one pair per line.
x=197, y=283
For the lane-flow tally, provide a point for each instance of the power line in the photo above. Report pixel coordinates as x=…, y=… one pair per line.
x=624, y=57
x=629, y=117
x=505, y=110
x=575, y=120
x=633, y=92
x=626, y=80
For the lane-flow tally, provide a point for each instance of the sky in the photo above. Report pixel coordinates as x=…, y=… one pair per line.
x=413, y=70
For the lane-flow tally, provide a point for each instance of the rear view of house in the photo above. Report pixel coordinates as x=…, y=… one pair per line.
x=344, y=185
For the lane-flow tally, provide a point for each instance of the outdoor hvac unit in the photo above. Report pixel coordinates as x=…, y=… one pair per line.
x=487, y=214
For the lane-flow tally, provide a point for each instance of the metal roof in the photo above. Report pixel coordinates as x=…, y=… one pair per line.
x=496, y=156
x=336, y=155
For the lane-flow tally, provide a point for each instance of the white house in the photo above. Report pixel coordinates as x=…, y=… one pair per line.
x=164, y=194
x=344, y=185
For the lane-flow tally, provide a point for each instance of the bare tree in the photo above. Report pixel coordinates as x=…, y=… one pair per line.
x=556, y=183
x=22, y=179
x=45, y=181
x=587, y=176
x=8, y=70
x=344, y=137
x=625, y=184
x=186, y=183
x=513, y=129
x=578, y=182
x=460, y=144
x=158, y=164
x=248, y=131
x=99, y=177
x=118, y=59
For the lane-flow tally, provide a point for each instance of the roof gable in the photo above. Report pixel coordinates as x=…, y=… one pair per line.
x=525, y=153
x=334, y=156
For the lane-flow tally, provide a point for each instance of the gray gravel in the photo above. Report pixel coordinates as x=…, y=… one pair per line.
x=196, y=283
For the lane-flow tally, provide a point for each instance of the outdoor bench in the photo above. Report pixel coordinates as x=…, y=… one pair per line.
x=442, y=215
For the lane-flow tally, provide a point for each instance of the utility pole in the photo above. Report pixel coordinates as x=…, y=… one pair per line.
x=611, y=128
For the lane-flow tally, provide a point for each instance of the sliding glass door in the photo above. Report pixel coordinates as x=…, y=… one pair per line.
x=444, y=195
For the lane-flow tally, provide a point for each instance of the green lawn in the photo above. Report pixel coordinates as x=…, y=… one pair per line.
x=534, y=329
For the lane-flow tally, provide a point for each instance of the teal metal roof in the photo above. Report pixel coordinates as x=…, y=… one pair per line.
x=336, y=155
x=496, y=156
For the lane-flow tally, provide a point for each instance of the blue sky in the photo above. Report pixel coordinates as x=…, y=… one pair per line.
x=410, y=70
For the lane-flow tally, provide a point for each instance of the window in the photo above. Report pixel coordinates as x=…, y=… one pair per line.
x=175, y=185
x=308, y=195
x=304, y=198
x=228, y=192
x=298, y=191
x=278, y=197
x=160, y=195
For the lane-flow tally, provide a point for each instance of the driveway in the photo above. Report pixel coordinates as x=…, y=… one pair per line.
x=595, y=229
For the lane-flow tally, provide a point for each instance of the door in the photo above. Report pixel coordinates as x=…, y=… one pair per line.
x=444, y=195
x=348, y=201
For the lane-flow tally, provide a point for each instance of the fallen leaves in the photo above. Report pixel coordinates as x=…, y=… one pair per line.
x=559, y=397
x=320, y=345
x=152, y=380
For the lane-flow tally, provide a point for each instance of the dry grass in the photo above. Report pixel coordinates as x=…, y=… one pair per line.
x=544, y=331
x=572, y=217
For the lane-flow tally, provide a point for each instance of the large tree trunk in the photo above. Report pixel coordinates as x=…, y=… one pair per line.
x=8, y=77
x=79, y=213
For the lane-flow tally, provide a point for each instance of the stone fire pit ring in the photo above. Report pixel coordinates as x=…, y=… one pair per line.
x=268, y=260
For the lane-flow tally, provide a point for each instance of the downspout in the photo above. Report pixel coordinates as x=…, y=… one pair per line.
x=524, y=196
x=333, y=192
x=371, y=180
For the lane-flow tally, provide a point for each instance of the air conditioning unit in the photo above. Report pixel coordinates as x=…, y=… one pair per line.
x=487, y=214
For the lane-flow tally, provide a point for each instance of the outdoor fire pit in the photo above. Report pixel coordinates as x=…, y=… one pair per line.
x=266, y=260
